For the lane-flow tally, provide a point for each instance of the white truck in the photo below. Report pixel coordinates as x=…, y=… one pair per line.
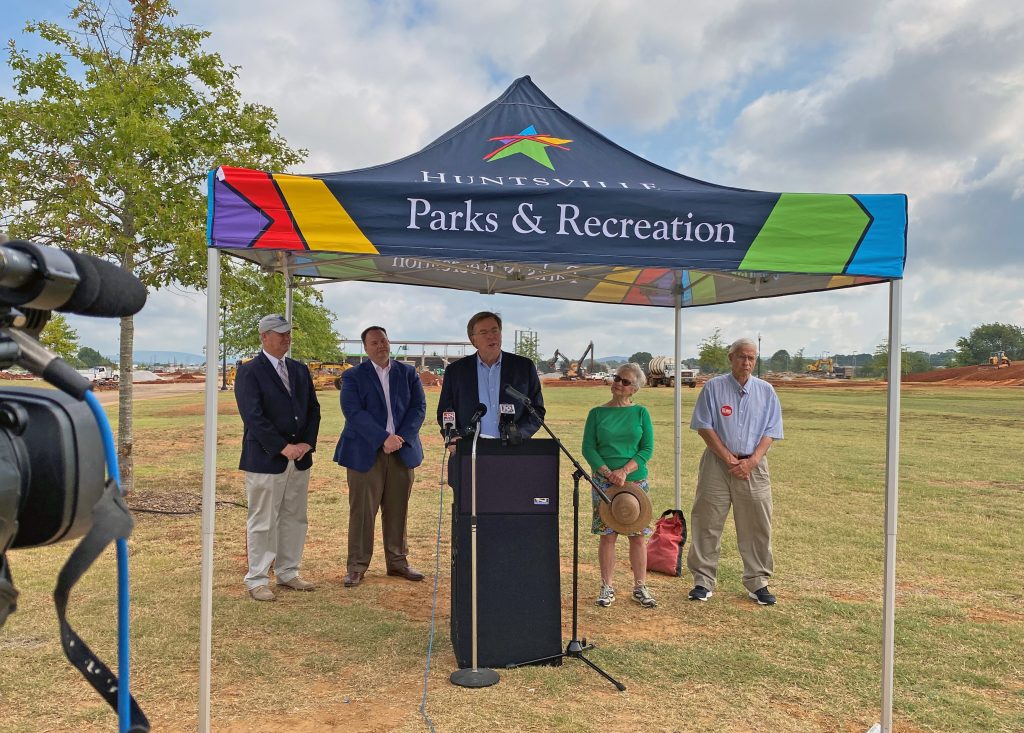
x=100, y=374
x=661, y=373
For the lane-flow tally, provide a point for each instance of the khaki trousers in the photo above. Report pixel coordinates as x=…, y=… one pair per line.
x=275, y=531
x=751, y=502
x=386, y=488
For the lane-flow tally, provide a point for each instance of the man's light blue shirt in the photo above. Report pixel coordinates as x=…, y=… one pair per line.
x=740, y=415
x=488, y=380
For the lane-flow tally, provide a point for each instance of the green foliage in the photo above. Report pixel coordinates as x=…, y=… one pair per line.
x=642, y=358
x=528, y=345
x=107, y=145
x=910, y=362
x=780, y=361
x=987, y=338
x=60, y=338
x=88, y=357
x=713, y=354
x=249, y=294
x=798, y=362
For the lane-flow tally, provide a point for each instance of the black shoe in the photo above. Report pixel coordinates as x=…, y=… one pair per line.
x=763, y=597
x=699, y=593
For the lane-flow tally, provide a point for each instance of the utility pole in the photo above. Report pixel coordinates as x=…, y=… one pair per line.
x=758, y=354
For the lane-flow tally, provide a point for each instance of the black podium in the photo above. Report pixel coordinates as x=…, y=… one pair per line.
x=518, y=590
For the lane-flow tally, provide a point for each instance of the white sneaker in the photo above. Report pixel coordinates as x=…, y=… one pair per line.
x=606, y=597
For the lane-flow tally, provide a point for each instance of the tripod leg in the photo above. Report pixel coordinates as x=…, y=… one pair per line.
x=618, y=685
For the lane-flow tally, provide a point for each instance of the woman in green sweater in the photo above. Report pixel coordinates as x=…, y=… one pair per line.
x=618, y=441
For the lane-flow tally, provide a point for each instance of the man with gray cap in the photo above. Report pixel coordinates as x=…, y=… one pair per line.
x=281, y=419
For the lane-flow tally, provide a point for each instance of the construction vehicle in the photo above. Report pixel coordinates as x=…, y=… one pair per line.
x=326, y=374
x=998, y=359
x=843, y=372
x=822, y=367
x=574, y=369
x=661, y=372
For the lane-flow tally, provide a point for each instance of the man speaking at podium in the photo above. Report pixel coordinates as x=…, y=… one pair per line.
x=481, y=378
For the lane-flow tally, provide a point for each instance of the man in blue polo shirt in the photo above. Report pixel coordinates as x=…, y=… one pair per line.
x=738, y=416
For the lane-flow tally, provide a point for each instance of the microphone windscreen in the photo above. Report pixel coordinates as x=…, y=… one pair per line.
x=120, y=292
x=88, y=288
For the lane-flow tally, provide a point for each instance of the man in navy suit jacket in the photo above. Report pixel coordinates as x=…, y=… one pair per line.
x=281, y=419
x=482, y=377
x=384, y=407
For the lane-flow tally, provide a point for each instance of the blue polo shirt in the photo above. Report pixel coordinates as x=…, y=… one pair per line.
x=488, y=381
x=740, y=415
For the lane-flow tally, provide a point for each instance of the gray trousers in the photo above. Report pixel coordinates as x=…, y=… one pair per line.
x=276, y=528
x=751, y=502
x=386, y=488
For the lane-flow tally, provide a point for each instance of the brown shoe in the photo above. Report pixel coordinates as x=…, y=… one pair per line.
x=262, y=593
x=297, y=583
x=354, y=578
x=406, y=572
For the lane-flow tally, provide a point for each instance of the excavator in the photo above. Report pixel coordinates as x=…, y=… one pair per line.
x=326, y=374
x=998, y=359
x=574, y=370
x=820, y=366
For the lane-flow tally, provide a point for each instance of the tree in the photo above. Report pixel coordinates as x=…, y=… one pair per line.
x=252, y=294
x=780, y=361
x=528, y=345
x=642, y=358
x=713, y=353
x=60, y=338
x=89, y=357
x=987, y=338
x=798, y=361
x=910, y=361
x=106, y=148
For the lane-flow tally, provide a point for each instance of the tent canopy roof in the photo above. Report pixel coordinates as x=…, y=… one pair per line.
x=524, y=198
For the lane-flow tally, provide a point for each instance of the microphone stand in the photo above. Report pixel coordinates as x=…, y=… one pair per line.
x=575, y=648
x=474, y=677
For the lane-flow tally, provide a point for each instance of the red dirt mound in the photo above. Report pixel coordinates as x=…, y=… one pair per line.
x=1011, y=376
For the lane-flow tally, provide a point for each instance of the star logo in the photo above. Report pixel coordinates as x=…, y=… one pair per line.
x=529, y=143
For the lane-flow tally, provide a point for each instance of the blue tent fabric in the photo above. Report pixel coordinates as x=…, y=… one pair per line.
x=522, y=197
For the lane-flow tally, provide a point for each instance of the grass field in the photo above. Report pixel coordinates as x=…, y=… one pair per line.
x=353, y=659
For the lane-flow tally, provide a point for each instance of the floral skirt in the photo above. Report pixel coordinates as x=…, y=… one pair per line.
x=597, y=525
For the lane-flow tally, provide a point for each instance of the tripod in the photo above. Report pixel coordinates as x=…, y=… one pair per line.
x=575, y=648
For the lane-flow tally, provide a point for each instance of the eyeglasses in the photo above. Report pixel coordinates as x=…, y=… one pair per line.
x=625, y=382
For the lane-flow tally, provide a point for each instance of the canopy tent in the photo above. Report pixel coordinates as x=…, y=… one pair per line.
x=523, y=198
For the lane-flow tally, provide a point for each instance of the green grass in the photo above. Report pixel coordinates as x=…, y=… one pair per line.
x=353, y=659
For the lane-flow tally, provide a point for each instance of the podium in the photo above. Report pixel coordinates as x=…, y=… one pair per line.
x=518, y=582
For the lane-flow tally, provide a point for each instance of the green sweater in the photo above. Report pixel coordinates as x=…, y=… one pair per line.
x=613, y=435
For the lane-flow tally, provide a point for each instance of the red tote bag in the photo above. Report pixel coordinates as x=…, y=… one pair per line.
x=665, y=549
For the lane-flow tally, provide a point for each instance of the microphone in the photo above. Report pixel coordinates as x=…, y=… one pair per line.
x=47, y=278
x=517, y=395
x=481, y=410
x=509, y=432
x=447, y=424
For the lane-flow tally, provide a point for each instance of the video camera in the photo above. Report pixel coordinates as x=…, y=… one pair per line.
x=52, y=442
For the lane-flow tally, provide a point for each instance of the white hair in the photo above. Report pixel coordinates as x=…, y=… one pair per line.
x=639, y=378
x=739, y=343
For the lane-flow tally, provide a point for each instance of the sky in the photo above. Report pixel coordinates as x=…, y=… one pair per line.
x=902, y=96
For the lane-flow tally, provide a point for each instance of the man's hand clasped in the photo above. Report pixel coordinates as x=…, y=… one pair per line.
x=295, y=451
x=393, y=443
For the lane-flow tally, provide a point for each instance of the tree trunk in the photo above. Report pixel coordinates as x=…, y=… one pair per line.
x=124, y=406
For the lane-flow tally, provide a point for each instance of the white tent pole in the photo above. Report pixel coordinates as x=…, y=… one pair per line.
x=209, y=484
x=679, y=393
x=892, y=465
x=288, y=291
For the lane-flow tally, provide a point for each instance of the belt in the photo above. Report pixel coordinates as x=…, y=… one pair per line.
x=742, y=457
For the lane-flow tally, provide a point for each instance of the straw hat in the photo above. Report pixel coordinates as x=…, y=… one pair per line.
x=629, y=510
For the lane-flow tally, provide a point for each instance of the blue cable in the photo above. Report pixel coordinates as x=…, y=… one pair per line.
x=123, y=650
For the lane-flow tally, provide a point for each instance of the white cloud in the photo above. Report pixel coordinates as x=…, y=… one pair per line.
x=914, y=96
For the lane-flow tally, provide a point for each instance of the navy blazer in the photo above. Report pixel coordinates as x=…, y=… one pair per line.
x=460, y=391
x=366, y=416
x=272, y=418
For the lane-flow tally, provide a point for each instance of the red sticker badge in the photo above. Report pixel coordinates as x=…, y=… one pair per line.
x=726, y=410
